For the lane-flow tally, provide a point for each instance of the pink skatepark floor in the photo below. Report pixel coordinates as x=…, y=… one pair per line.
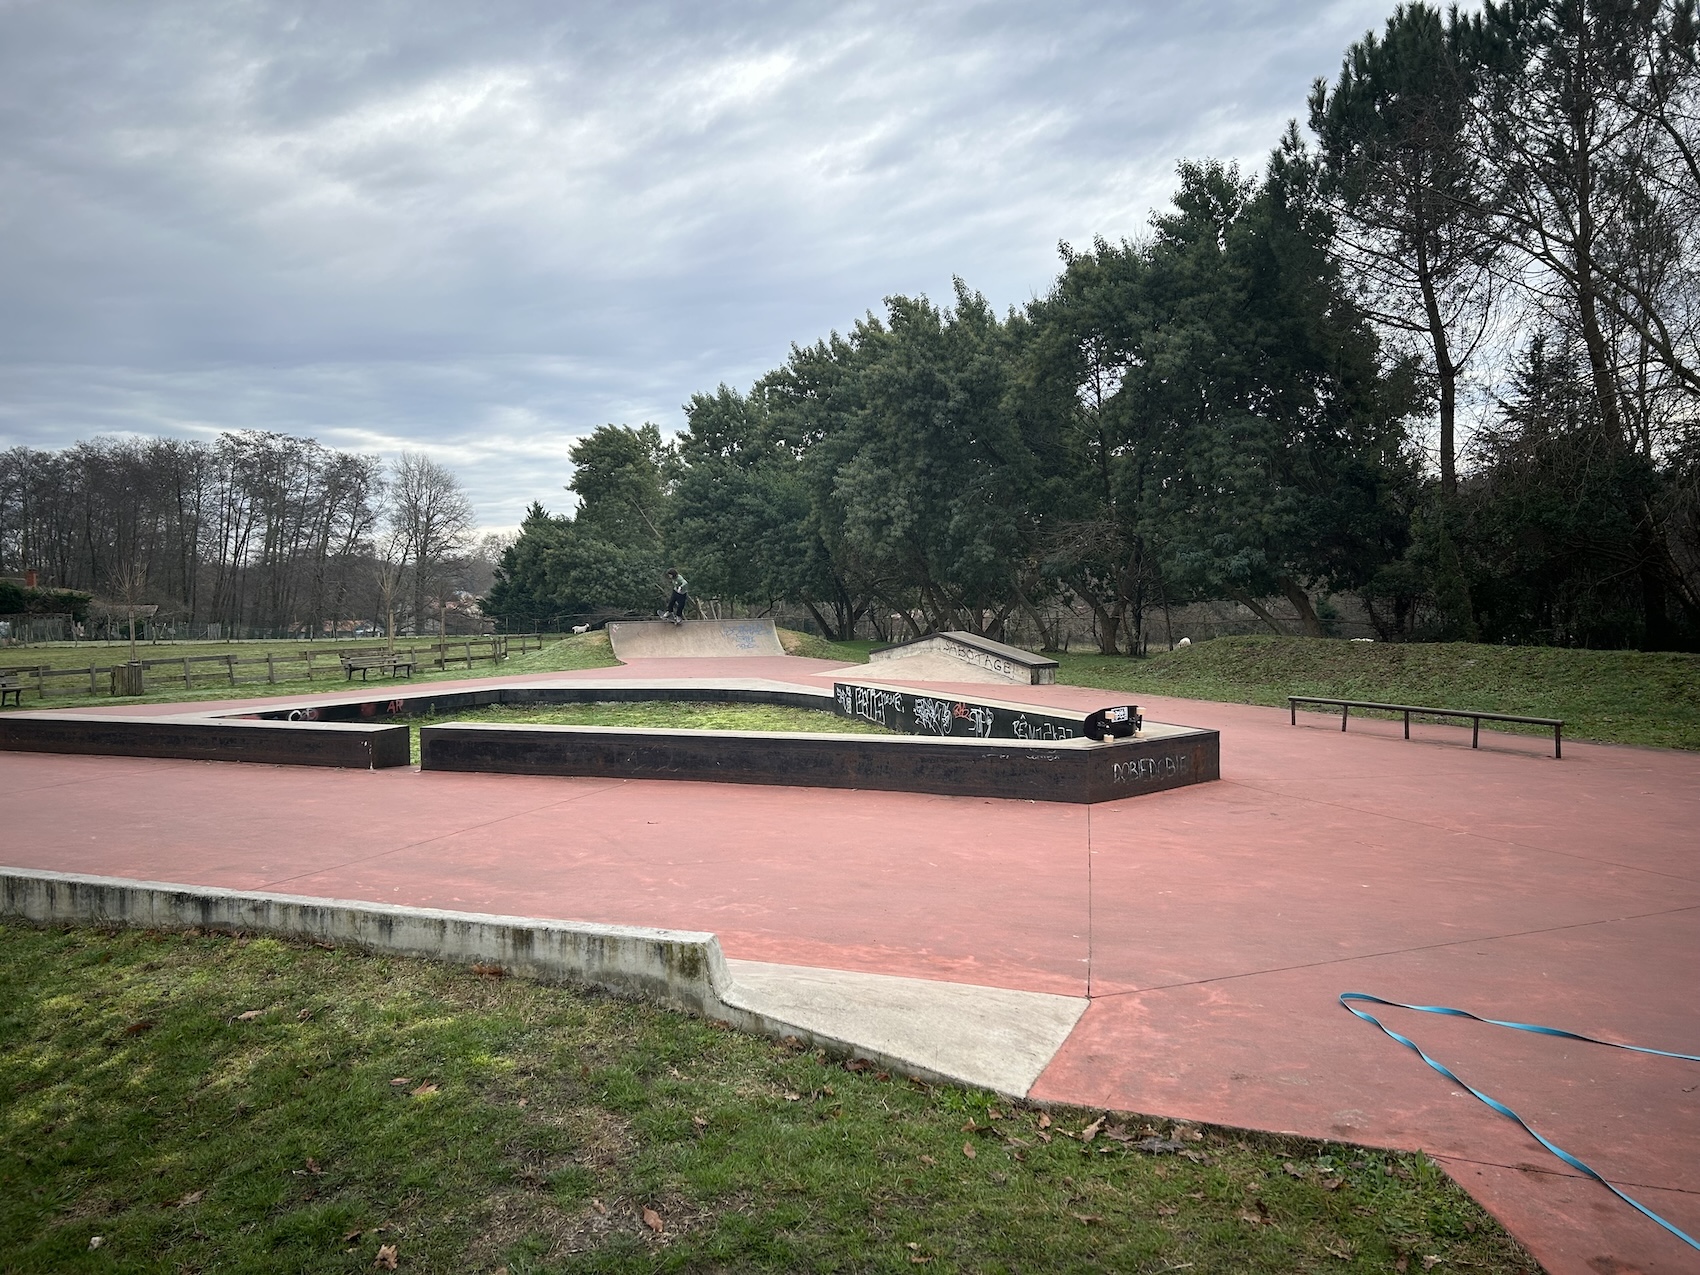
x=1212, y=927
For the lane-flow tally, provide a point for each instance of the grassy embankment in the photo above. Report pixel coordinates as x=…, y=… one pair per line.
x=204, y=1102
x=589, y=650
x=1623, y=697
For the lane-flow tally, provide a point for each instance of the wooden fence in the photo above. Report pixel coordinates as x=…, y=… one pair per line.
x=199, y=671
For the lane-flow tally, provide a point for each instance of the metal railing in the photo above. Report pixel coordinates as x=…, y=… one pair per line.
x=1476, y=716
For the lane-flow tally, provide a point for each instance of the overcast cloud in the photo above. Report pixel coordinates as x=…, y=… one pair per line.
x=483, y=230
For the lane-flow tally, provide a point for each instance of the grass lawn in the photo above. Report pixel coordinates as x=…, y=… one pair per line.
x=588, y=650
x=1622, y=697
x=669, y=716
x=200, y=1102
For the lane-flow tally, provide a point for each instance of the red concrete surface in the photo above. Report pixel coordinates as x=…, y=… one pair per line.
x=1213, y=926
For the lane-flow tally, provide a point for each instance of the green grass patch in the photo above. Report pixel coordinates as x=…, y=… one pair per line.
x=1620, y=697
x=813, y=647
x=663, y=715
x=214, y=1103
x=581, y=651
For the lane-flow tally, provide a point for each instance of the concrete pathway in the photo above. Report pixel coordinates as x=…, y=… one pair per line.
x=1207, y=931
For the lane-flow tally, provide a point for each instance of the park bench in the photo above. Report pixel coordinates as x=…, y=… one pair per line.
x=11, y=689
x=1476, y=716
x=364, y=664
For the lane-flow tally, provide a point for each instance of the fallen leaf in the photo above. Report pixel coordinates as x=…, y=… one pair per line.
x=302, y=1015
x=194, y=1197
x=523, y=1102
x=313, y=1167
x=329, y=947
x=1333, y=1184
x=652, y=1220
x=1292, y=1170
x=401, y=1080
x=915, y=1259
x=1158, y=1146
x=1167, y=1210
x=249, y=1015
x=1431, y=1261
x=1118, y=1133
x=793, y=1097
x=423, y=1091
x=137, y=1028
x=1091, y=1130
x=1044, y=1120
x=95, y=1241
x=1087, y=1218
x=488, y=971
x=970, y=1127
x=857, y=1064
x=386, y=1259
x=882, y=1075
x=1263, y=1209
x=353, y=1237
x=927, y=1159
x=1402, y=1264
x=700, y=1122
x=1251, y=1219
x=968, y=1150
x=1043, y=1136
x=1344, y=1254
x=599, y=1206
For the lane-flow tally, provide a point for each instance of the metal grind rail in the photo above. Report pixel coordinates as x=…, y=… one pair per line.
x=1476, y=716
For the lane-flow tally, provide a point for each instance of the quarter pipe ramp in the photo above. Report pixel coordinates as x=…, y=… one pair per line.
x=662, y=639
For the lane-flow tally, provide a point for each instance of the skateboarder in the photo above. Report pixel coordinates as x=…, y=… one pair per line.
x=676, y=603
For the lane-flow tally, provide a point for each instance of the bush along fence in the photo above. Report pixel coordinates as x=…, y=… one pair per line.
x=191, y=672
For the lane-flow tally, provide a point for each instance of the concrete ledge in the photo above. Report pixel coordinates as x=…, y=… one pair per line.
x=989, y=1037
x=199, y=738
x=964, y=657
x=682, y=969
x=1074, y=770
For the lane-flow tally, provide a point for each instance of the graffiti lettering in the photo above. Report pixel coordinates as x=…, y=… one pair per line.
x=1148, y=768
x=1025, y=729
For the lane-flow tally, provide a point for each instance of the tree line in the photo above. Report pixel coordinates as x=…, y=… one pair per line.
x=1439, y=354
x=257, y=533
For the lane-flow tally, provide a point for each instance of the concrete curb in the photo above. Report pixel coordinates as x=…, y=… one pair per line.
x=679, y=969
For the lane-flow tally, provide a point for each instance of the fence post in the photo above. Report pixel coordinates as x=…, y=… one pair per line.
x=187, y=684
x=230, y=668
x=93, y=689
x=271, y=667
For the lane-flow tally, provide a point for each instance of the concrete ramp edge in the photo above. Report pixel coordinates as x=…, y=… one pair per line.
x=692, y=639
x=991, y=1038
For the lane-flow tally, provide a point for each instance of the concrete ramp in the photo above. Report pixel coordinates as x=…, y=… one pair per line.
x=705, y=639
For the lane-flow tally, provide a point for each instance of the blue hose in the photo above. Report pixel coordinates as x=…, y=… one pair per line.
x=1346, y=999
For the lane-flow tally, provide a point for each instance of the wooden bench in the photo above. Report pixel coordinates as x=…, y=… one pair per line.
x=11, y=688
x=364, y=664
x=1476, y=716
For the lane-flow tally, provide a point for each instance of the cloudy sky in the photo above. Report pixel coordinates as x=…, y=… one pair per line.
x=481, y=230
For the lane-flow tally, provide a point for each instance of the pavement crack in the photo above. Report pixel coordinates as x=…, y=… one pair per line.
x=1393, y=951
x=1558, y=1170
x=1464, y=832
x=425, y=841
